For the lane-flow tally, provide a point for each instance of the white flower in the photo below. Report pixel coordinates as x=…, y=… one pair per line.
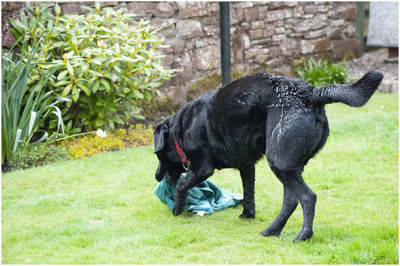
x=101, y=133
x=382, y=106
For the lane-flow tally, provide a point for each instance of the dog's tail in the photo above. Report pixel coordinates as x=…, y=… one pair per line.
x=356, y=94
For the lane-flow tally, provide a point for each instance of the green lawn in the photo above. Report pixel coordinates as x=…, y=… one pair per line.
x=102, y=209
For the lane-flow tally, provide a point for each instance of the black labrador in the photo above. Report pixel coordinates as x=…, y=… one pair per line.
x=234, y=126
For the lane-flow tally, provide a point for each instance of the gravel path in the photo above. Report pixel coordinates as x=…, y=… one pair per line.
x=377, y=59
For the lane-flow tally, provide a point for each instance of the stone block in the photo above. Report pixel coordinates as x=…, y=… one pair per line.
x=264, y=41
x=278, y=37
x=280, y=30
x=207, y=58
x=342, y=47
x=245, y=41
x=334, y=33
x=211, y=30
x=346, y=11
x=10, y=6
x=303, y=26
x=167, y=60
x=142, y=9
x=310, y=8
x=166, y=9
x=298, y=11
x=274, y=52
x=243, y=4
x=250, y=53
x=236, y=15
x=189, y=28
x=251, y=14
x=289, y=46
x=258, y=24
x=256, y=34
x=336, y=23
x=263, y=11
x=279, y=14
x=314, y=46
x=191, y=9
x=275, y=5
x=269, y=30
x=315, y=34
x=319, y=21
x=203, y=42
x=176, y=45
x=275, y=63
x=71, y=8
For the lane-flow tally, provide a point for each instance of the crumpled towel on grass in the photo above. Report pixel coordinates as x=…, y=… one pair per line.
x=206, y=197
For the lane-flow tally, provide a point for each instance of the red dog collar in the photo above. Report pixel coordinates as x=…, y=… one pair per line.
x=185, y=161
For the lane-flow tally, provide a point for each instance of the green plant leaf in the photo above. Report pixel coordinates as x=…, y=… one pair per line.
x=138, y=94
x=70, y=69
x=106, y=85
x=62, y=74
x=96, y=86
x=18, y=25
x=84, y=88
x=139, y=116
x=75, y=94
x=99, y=123
x=66, y=90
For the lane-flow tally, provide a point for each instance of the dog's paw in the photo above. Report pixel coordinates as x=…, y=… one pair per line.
x=271, y=232
x=177, y=211
x=303, y=235
x=246, y=215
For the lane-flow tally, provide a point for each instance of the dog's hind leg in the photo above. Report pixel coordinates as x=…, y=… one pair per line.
x=248, y=176
x=289, y=204
x=290, y=144
x=293, y=181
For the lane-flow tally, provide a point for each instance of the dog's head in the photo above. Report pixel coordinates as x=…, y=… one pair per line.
x=170, y=165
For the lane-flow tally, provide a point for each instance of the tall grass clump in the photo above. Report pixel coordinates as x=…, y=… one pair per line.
x=320, y=73
x=25, y=108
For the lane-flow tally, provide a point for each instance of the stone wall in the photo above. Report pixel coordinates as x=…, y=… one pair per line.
x=265, y=36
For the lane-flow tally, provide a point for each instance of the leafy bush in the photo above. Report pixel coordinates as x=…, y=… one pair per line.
x=89, y=145
x=320, y=73
x=27, y=156
x=109, y=64
x=25, y=111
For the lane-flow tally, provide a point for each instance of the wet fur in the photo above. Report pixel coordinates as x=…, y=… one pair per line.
x=233, y=127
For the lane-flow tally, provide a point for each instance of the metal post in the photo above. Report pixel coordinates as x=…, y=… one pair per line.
x=360, y=25
x=225, y=43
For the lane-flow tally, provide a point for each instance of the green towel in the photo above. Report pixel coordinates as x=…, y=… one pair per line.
x=206, y=197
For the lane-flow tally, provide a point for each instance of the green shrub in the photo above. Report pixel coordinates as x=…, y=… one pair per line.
x=320, y=73
x=89, y=145
x=25, y=112
x=108, y=63
x=27, y=156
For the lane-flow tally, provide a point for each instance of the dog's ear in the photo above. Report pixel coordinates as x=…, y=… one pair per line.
x=160, y=137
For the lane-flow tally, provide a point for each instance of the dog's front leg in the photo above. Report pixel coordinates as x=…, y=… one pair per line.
x=248, y=176
x=191, y=179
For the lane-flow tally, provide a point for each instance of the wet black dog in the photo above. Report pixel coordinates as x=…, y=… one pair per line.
x=233, y=127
